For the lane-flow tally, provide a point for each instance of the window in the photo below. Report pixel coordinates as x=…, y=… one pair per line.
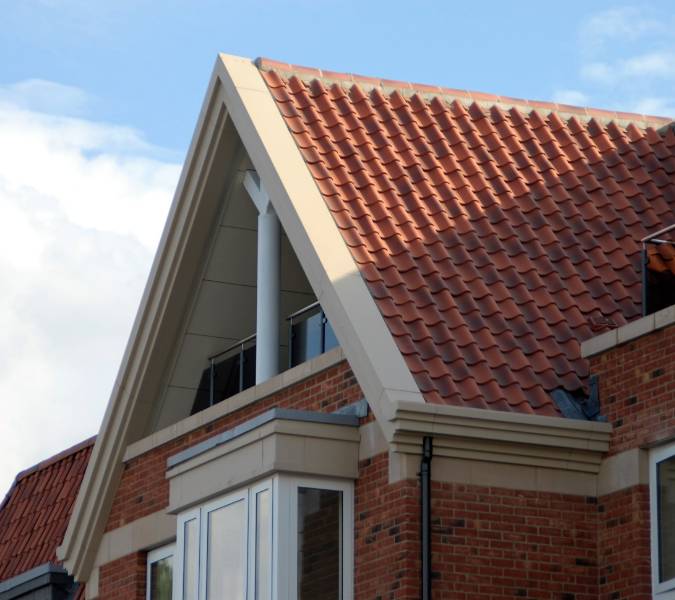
x=160, y=573
x=280, y=539
x=662, y=507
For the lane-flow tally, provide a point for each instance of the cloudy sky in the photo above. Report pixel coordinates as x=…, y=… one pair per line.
x=97, y=105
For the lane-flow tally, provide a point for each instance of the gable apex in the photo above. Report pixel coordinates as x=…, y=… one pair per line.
x=238, y=106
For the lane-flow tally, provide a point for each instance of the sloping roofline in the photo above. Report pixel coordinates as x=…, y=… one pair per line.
x=467, y=97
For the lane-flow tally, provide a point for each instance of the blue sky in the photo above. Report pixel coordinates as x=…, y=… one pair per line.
x=98, y=100
x=146, y=64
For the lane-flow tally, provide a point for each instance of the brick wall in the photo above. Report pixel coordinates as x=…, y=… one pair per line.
x=623, y=542
x=144, y=489
x=637, y=389
x=487, y=543
x=387, y=530
x=637, y=395
x=124, y=578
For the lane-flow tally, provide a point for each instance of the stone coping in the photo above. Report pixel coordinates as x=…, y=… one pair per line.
x=238, y=401
x=285, y=414
x=627, y=333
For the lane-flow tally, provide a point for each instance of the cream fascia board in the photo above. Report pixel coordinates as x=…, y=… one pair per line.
x=85, y=526
x=323, y=254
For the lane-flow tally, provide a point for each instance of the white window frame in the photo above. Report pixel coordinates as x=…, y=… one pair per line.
x=662, y=590
x=168, y=551
x=206, y=510
x=179, y=557
x=288, y=530
x=284, y=539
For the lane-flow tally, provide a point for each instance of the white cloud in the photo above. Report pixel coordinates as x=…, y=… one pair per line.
x=46, y=97
x=653, y=65
x=659, y=106
x=82, y=205
x=627, y=23
x=626, y=60
x=572, y=97
x=598, y=72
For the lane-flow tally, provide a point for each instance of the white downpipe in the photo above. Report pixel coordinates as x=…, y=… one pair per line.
x=268, y=282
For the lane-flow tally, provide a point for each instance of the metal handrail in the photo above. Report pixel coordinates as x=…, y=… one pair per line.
x=240, y=345
x=303, y=310
x=241, y=342
x=649, y=237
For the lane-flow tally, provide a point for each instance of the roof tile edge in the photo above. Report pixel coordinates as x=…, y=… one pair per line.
x=467, y=97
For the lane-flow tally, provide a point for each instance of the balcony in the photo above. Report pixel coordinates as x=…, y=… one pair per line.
x=310, y=334
x=233, y=370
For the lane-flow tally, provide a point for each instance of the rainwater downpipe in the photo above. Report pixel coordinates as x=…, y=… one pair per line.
x=425, y=508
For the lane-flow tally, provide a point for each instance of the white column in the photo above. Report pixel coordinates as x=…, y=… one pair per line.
x=268, y=281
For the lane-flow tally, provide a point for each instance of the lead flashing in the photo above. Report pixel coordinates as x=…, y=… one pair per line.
x=34, y=579
x=285, y=414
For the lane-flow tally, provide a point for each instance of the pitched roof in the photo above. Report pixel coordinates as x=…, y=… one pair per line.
x=35, y=511
x=492, y=232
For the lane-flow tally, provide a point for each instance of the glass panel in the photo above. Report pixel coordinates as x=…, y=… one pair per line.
x=319, y=544
x=666, y=512
x=306, y=339
x=191, y=557
x=248, y=378
x=226, y=549
x=263, y=542
x=330, y=340
x=161, y=579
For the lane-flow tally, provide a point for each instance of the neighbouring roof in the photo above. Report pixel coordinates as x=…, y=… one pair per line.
x=493, y=233
x=35, y=512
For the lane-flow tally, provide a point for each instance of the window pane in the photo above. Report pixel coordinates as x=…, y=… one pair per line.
x=226, y=551
x=263, y=570
x=191, y=556
x=319, y=544
x=666, y=512
x=161, y=579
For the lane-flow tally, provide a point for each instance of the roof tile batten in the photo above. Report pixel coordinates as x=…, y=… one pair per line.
x=491, y=231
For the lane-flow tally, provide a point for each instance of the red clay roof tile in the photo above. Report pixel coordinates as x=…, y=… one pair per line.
x=35, y=512
x=492, y=232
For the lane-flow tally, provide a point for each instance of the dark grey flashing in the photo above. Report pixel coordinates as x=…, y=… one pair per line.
x=35, y=583
x=358, y=409
x=574, y=407
x=285, y=414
